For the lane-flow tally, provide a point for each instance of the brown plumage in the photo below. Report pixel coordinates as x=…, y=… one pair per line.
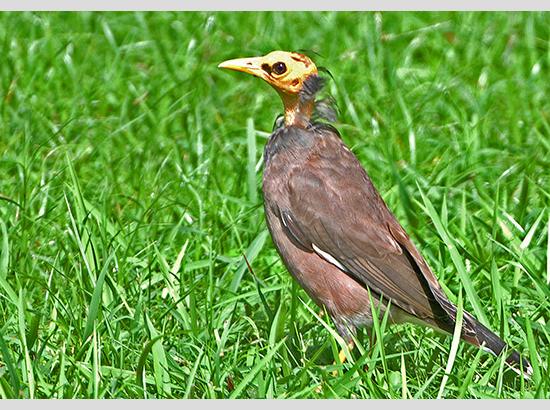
x=332, y=228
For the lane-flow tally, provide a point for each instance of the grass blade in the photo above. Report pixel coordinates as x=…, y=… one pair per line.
x=251, y=164
x=4, y=261
x=160, y=363
x=251, y=253
x=533, y=353
x=93, y=309
x=454, y=345
x=191, y=377
x=548, y=253
x=8, y=359
x=456, y=258
x=404, y=390
x=256, y=369
x=468, y=379
x=143, y=358
x=29, y=371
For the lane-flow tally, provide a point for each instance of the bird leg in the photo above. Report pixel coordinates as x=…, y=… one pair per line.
x=342, y=356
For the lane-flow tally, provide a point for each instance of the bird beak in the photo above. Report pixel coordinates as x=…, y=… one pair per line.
x=252, y=65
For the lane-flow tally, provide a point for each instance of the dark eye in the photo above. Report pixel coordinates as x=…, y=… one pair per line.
x=279, y=68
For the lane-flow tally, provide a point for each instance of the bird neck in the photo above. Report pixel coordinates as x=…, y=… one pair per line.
x=297, y=110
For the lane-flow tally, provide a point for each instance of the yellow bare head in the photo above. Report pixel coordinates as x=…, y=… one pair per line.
x=285, y=71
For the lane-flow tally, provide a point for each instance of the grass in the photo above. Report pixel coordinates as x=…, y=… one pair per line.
x=130, y=195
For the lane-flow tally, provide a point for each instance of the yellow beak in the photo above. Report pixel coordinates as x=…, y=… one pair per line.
x=252, y=65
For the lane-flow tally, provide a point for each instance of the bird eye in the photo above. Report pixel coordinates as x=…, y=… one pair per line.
x=279, y=68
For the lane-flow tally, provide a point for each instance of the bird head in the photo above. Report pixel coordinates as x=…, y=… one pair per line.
x=287, y=73
x=284, y=71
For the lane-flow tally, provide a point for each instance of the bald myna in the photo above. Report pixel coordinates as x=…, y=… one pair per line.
x=332, y=228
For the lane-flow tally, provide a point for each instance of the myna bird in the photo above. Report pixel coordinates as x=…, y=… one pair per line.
x=332, y=228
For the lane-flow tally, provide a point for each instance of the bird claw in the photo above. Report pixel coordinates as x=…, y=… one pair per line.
x=342, y=356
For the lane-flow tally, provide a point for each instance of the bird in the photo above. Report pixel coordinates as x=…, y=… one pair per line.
x=331, y=227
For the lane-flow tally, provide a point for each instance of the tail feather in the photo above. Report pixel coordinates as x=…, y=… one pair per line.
x=478, y=335
x=486, y=339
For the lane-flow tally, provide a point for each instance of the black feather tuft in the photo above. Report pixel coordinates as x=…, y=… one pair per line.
x=312, y=85
x=326, y=109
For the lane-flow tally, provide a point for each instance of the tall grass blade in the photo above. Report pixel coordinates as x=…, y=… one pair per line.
x=4, y=261
x=454, y=345
x=7, y=358
x=251, y=253
x=251, y=163
x=256, y=369
x=93, y=309
x=160, y=363
x=456, y=258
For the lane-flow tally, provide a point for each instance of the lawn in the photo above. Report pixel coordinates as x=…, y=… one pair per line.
x=130, y=171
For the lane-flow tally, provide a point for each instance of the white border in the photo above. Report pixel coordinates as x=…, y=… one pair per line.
x=262, y=5
x=257, y=5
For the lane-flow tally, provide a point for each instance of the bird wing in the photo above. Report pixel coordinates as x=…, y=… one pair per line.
x=336, y=212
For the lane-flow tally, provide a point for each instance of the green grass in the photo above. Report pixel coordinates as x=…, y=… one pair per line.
x=130, y=171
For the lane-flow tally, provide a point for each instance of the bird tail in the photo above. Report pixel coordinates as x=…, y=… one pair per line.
x=478, y=335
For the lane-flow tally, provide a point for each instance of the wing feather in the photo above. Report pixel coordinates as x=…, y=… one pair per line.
x=335, y=210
